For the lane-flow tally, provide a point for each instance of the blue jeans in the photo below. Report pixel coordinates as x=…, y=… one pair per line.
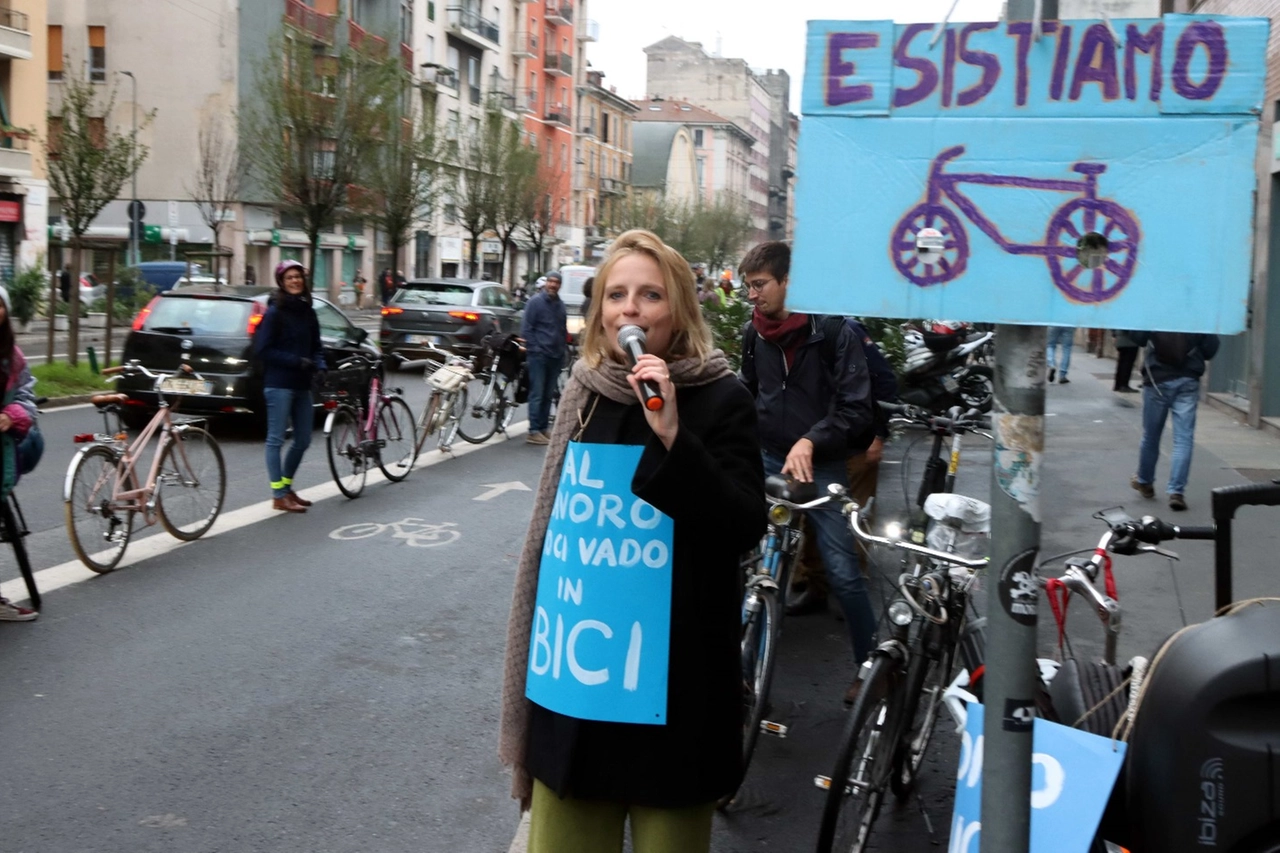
x=1060, y=339
x=544, y=374
x=1180, y=396
x=839, y=556
x=283, y=405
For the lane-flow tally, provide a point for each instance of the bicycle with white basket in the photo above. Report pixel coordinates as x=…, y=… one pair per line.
x=446, y=376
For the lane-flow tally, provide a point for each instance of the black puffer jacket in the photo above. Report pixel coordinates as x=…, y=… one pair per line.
x=828, y=404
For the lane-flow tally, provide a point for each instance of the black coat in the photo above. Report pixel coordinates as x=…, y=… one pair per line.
x=711, y=484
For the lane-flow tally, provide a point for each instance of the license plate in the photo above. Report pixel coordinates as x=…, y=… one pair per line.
x=175, y=385
x=422, y=339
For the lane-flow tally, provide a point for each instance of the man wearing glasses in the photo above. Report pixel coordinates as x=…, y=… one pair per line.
x=813, y=398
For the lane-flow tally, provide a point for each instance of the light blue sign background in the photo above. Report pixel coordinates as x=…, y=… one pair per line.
x=1071, y=781
x=602, y=623
x=1171, y=186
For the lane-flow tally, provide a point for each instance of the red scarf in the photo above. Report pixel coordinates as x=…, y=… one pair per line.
x=788, y=334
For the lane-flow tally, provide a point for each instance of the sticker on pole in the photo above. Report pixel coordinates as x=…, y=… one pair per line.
x=1038, y=178
x=1072, y=775
x=1018, y=591
x=602, y=620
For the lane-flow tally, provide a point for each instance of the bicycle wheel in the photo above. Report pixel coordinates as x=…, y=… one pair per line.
x=99, y=532
x=930, y=672
x=399, y=439
x=505, y=411
x=863, y=764
x=479, y=421
x=346, y=459
x=457, y=411
x=759, y=646
x=191, y=483
x=429, y=420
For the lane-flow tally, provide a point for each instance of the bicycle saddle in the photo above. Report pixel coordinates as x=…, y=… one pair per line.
x=787, y=489
x=108, y=399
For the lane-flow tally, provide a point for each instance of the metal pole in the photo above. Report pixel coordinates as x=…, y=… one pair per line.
x=1009, y=692
x=133, y=238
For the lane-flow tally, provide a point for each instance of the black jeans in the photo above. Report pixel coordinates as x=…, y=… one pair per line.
x=1125, y=358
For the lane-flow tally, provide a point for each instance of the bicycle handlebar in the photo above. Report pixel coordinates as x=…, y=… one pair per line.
x=970, y=421
x=136, y=366
x=851, y=509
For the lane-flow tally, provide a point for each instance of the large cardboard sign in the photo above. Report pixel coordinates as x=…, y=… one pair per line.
x=1071, y=779
x=602, y=622
x=1099, y=175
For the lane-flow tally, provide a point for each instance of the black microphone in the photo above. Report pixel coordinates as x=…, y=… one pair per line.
x=631, y=339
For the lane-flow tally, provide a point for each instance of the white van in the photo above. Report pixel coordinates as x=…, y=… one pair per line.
x=572, y=278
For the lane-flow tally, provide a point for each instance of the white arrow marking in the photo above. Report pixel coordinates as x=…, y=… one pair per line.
x=496, y=489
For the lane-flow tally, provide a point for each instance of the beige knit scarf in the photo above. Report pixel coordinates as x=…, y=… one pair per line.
x=608, y=380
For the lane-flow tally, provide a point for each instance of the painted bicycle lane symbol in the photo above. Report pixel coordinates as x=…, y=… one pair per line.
x=416, y=532
x=1091, y=243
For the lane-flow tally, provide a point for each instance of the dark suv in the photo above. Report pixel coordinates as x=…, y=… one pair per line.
x=212, y=330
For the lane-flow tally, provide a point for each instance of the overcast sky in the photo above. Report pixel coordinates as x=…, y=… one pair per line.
x=766, y=35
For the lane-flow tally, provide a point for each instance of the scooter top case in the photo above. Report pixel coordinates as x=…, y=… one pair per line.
x=1204, y=758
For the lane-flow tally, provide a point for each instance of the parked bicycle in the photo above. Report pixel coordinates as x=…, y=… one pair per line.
x=941, y=468
x=447, y=376
x=767, y=572
x=902, y=683
x=359, y=435
x=494, y=389
x=183, y=489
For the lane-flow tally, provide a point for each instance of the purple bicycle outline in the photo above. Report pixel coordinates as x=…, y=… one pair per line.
x=1067, y=226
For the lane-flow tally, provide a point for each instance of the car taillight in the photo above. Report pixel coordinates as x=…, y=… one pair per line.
x=141, y=319
x=387, y=312
x=255, y=319
x=465, y=316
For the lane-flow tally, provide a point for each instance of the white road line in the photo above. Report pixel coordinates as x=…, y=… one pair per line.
x=73, y=571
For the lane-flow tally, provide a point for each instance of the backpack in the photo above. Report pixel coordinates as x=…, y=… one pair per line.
x=831, y=325
x=1171, y=348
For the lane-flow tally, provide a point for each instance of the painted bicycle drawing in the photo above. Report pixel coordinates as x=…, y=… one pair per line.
x=1091, y=244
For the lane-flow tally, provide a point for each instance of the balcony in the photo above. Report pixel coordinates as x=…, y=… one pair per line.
x=363, y=41
x=525, y=46
x=612, y=186
x=589, y=30
x=435, y=77
x=406, y=57
x=15, y=159
x=558, y=64
x=527, y=100
x=502, y=95
x=558, y=114
x=467, y=24
x=319, y=26
x=559, y=13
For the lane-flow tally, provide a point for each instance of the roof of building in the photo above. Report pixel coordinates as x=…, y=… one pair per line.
x=671, y=111
x=651, y=152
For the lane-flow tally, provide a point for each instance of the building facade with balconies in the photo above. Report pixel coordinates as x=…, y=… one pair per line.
x=603, y=173
x=24, y=193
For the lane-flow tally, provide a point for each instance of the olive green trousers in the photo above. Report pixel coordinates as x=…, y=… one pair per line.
x=589, y=826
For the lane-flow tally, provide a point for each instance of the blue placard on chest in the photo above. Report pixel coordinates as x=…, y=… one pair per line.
x=1100, y=174
x=602, y=622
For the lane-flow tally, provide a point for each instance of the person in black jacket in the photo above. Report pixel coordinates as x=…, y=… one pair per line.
x=815, y=409
x=288, y=344
x=696, y=461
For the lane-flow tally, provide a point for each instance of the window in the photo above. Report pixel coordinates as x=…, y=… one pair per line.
x=332, y=323
x=455, y=61
x=98, y=54
x=356, y=11
x=604, y=127
x=451, y=126
x=431, y=10
x=406, y=23
x=473, y=128
x=702, y=170
x=322, y=161
x=55, y=53
x=473, y=78
x=431, y=49
x=697, y=138
x=564, y=157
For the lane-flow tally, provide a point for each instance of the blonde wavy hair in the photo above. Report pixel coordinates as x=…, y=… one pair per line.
x=690, y=335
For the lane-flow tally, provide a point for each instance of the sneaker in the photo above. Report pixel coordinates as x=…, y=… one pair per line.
x=1177, y=502
x=14, y=613
x=1064, y=380
x=1052, y=374
x=537, y=438
x=1144, y=489
x=1125, y=390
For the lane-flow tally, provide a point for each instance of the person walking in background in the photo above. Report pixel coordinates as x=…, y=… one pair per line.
x=64, y=283
x=1171, y=371
x=288, y=344
x=18, y=434
x=386, y=285
x=545, y=331
x=696, y=462
x=250, y=275
x=1126, y=355
x=587, y=287
x=813, y=400
x=1061, y=339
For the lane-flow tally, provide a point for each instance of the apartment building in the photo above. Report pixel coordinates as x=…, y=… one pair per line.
x=603, y=168
x=757, y=103
x=719, y=152
x=24, y=194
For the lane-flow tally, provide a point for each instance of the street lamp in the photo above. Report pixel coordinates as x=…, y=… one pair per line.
x=135, y=221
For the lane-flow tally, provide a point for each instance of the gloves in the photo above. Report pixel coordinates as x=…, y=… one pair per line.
x=304, y=363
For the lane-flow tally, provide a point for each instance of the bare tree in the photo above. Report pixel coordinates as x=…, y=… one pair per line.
x=725, y=225
x=541, y=210
x=520, y=170
x=218, y=179
x=480, y=177
x=88, y=164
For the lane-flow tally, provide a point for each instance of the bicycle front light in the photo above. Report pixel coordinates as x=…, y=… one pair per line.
x=900, y=613
x=779, y=514
x=893, y=530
